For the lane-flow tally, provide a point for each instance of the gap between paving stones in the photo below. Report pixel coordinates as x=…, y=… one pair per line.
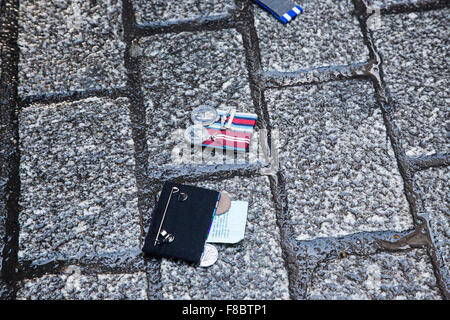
x=9, y=170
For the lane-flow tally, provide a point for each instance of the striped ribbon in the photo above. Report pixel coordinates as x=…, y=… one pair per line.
x=283, y=10
x=237, y=137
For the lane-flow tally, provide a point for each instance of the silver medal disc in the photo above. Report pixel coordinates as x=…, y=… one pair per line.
x=204, y=115
x=196, y=134
x=209, y=256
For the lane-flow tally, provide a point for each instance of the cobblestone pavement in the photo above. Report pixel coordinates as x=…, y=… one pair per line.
x=356, y=91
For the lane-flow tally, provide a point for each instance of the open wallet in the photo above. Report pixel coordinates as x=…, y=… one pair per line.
x=181, y=222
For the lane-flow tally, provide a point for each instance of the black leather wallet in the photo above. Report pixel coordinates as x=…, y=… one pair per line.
x=181, y=222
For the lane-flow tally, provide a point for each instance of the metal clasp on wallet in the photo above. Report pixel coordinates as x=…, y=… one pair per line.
x=167, y=236
x=161, y=232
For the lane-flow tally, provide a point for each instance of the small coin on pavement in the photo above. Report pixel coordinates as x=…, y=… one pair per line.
x=209, y=256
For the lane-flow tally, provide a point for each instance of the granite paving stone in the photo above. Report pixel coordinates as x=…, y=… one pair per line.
x=250, y=269
x=382, y=276
x=415, y=62
x=161, y=10
x=186, y=70
x=340, y=171
x=325, y=34
x=432, y=186
x=79, y=190
x=73, y=45
x=72, y=284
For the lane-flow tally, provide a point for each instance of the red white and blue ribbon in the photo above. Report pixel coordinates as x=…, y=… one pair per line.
x=237, y=136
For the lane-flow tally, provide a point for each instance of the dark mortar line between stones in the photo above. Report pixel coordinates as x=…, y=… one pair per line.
x=368, y=243
x=139, y=127
x=330, y=257
x=425, y=162
x=216, y=173
x=229, y=20
x=70, y=96
x=385, y=101
x=136, y=104
x=431, y=251
x=257, y=85
x=404, y=164
x=409, y=7
x=9, y=114
x=287, y=235
x=253, y=62
x=30, y=270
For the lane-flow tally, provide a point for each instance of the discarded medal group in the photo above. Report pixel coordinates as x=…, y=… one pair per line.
x=224, y=129
x=187, y=219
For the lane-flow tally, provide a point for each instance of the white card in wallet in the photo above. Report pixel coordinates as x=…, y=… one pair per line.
x=230, y=226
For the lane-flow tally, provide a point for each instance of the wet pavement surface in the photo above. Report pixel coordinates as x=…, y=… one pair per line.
x=354, y=93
